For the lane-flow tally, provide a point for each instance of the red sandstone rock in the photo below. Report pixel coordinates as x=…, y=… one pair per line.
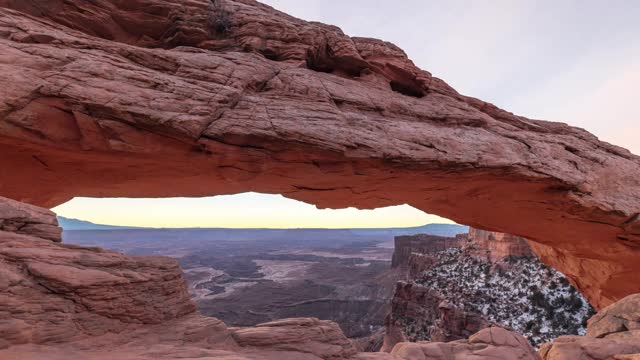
x=495, y=246
x=622, y=316
x=405, y=246
x=68, y=301
x=51, y=292
x=321, y=338
x=430, y=316
x=612, y=334
x=146, y=98
x=25, y=219
x=490, y=343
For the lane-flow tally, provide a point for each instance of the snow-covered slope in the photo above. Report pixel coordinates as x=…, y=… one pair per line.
x=475, y=281
x=520, y=293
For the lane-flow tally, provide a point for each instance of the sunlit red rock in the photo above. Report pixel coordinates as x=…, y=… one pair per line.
x=495, y=246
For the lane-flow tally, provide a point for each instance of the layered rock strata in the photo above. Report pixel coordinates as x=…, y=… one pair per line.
x=495, y=246
x=612, y=334
x=490, y=343
x=406, y=246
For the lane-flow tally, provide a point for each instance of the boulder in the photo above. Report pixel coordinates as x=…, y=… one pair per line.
x=489, y=343
x=27, y=219
x=305, y=335
x=612, y=334
x=620, y=317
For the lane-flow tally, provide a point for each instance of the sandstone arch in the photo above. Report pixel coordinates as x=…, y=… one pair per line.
x=142, y=98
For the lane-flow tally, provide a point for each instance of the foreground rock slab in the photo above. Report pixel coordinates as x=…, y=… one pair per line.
x=321, y=338
x=612, y=334
x=489, y=343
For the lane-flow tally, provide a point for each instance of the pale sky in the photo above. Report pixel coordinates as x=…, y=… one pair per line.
x=247, y=210
x=571, y=61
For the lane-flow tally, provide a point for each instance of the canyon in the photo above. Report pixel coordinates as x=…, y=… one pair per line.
x=245, y=277
x=156, y=98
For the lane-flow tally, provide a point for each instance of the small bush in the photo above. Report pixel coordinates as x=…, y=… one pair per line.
x=219, y=18
x=537, y=298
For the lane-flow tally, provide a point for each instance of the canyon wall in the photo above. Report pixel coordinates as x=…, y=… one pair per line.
x=157, y=98
x=484, y=279
x=496, y=246
x=406, y=246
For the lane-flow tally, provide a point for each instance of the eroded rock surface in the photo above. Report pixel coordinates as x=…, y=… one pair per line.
x=305, y=335
x=406, y=246
x=25, y=219
x=612, y=334
x=51, y=292
x=498, y=246
x=490, y=343
x=65, y=301
x=162, y=98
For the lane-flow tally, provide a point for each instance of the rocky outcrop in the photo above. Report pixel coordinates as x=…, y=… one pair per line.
x=618, y=318
x=490, y=343
x=418, y=313
x=51, y=292
x=405, y=246
x=21, y=218
x=68, y=301
x=454, y=293
x=151, y=98
x=323, y=339
x=613, y=333
x=495, y=246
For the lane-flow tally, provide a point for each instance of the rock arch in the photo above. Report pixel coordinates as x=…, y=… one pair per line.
x=140, y=98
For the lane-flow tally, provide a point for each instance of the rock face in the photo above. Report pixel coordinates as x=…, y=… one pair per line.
x=418, y=313
x=30, y=220
x=323, y=339
x=620, y=317
x=613, y=333
x=490, y=343
x=406, y=246
x=453, y=293
x=192, y=98
x=50, y=292
x=497, y=246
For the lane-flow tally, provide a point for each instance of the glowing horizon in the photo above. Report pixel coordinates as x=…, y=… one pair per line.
x=245, y=210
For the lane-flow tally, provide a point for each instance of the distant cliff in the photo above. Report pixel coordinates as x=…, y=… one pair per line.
x=458, y=286
x=404, y=246
x=497, y=246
